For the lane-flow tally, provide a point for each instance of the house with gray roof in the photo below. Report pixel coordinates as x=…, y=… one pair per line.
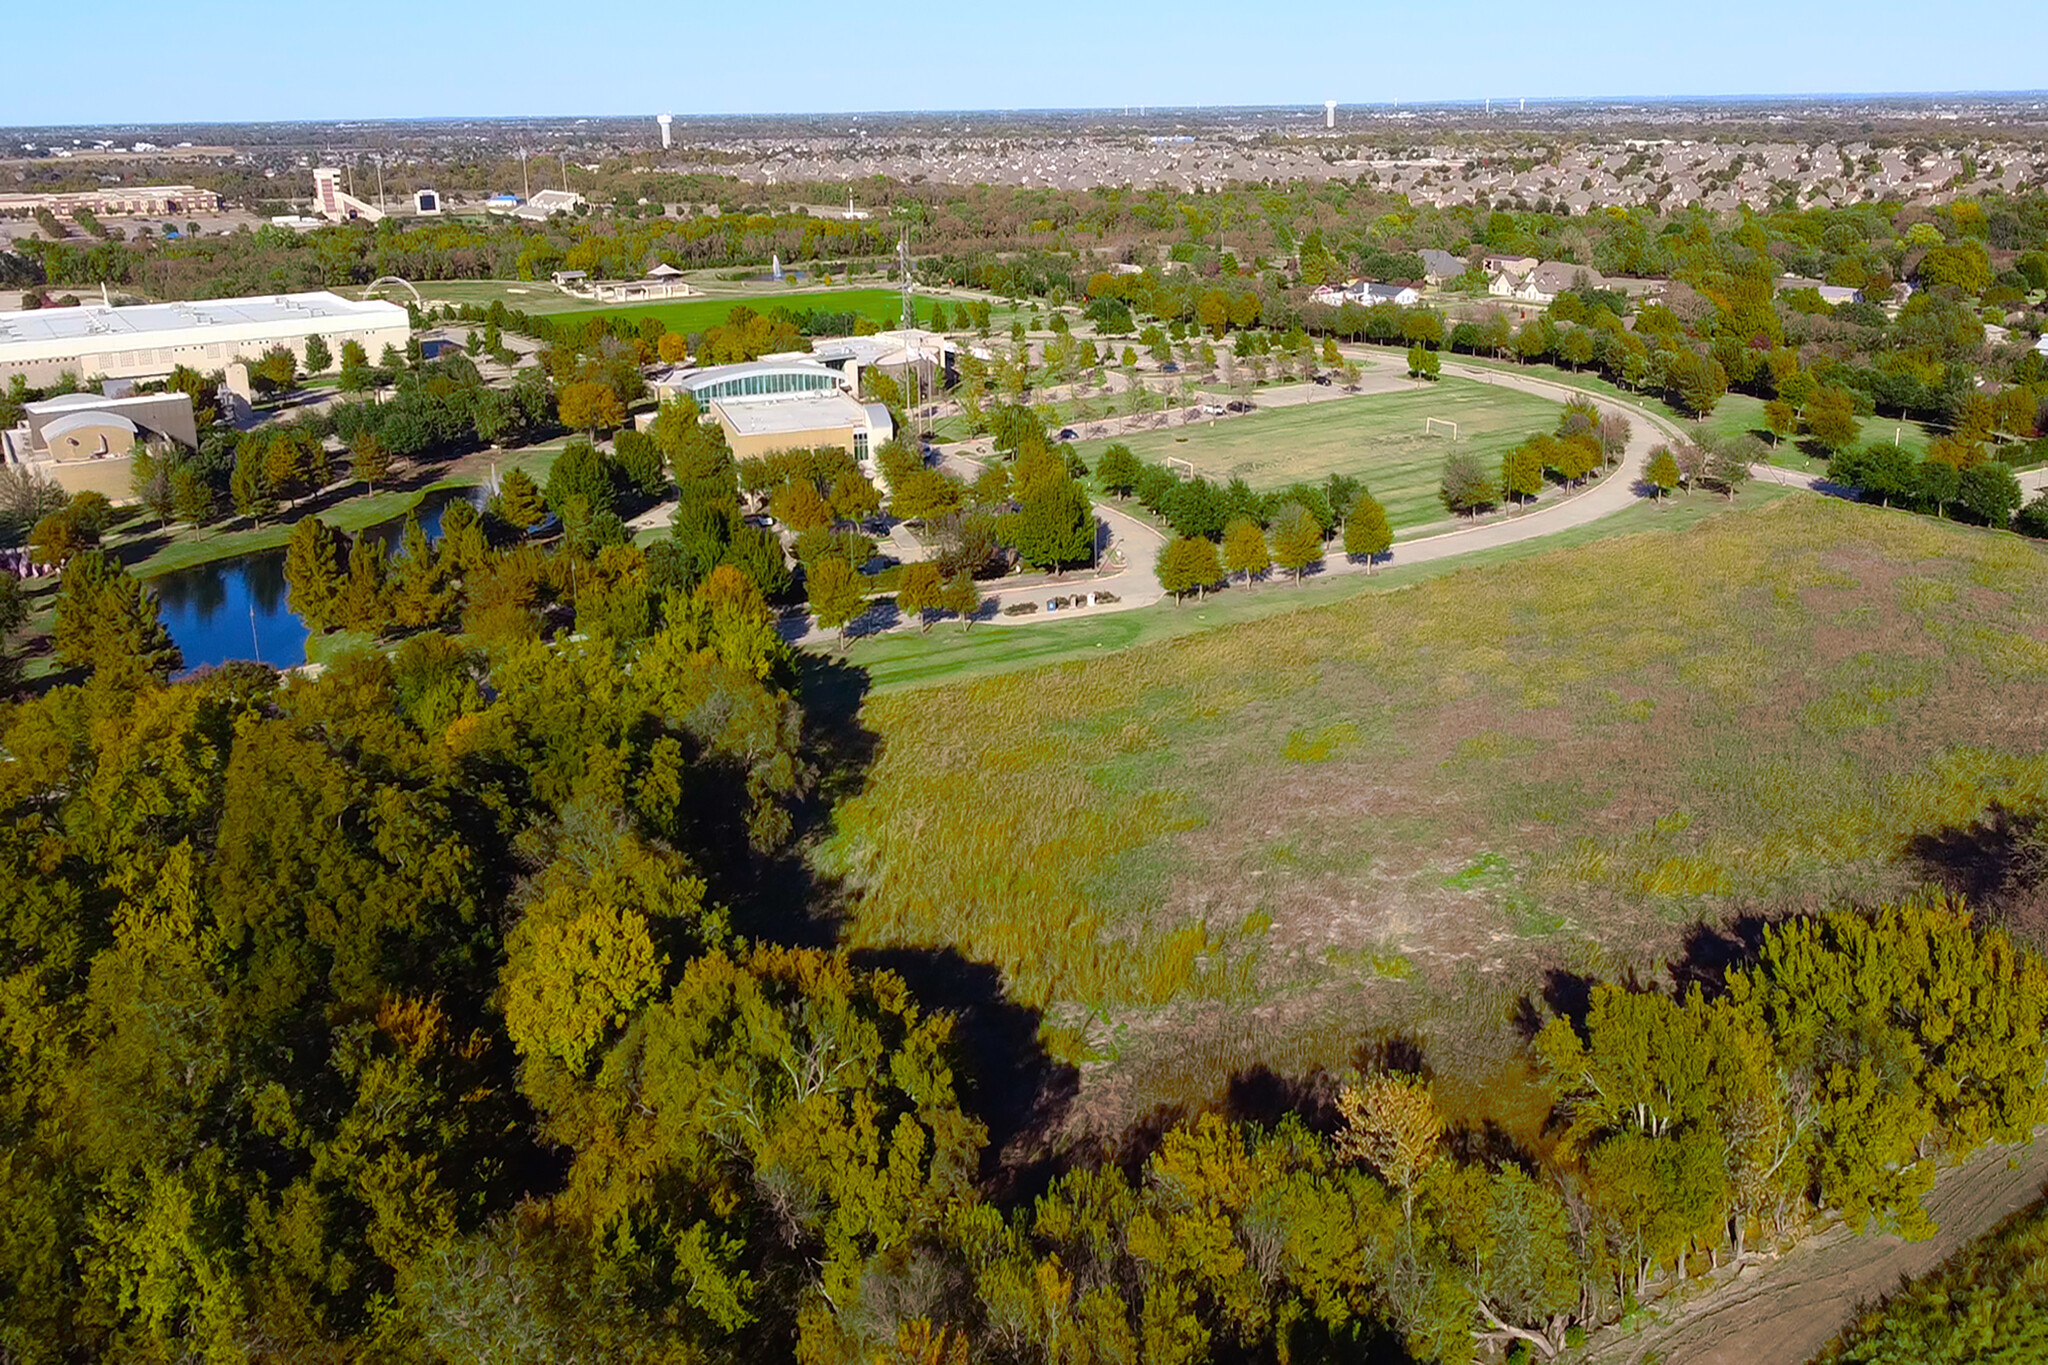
x=1438, y=266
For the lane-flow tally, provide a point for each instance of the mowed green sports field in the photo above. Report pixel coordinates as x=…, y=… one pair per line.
x=884, y=306
x=540, y=297
x=1376, y=437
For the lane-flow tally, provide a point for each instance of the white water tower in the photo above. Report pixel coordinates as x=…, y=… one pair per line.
x=664, y=120
x=1329, y=113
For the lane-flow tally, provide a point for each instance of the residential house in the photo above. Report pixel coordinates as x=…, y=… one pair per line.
x=1439, y=266
x=1543, y=283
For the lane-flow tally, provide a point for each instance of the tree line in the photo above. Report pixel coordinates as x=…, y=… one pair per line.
x=409, y=1010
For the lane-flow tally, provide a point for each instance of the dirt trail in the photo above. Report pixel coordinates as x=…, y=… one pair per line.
x=1782, y=1312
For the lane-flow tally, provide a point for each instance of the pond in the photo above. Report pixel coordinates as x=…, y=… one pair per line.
x=237, y=609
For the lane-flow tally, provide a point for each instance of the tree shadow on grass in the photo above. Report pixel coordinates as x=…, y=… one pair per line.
x=1005, y=1075
x=786, y=899
x=1998, y=865
x=2000, y=852
x=1713, y=949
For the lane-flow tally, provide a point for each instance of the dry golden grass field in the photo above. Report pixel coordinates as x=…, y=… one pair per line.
x=1410, y=810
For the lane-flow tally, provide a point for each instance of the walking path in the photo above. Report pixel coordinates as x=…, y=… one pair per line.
x=1138, y=545
x=1782, y=1310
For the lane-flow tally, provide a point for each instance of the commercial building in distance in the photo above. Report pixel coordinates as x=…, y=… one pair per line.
x=157, y=201
x=148, y=340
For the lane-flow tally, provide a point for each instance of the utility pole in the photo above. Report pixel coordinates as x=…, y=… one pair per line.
x=525, y=180
x=565, y=172
x=913, y=371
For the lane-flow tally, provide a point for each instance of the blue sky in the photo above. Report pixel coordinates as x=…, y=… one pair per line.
x=232, y=60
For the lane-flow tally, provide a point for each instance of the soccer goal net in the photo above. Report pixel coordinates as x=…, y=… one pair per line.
x=1439, y=426
x=1185, y=468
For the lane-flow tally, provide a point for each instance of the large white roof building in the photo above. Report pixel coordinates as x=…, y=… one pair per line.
x=144, y=341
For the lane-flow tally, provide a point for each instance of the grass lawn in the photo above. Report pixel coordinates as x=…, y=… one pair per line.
x=1376, y=437
x=946, y=654
x=884, y=306
x=1254, y=844
x=1740, y=414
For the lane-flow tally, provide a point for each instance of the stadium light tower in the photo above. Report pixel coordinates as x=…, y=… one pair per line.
x=1329, y=113
x=664, y=120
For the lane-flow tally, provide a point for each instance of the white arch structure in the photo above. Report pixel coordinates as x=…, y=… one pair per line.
x=374, y=285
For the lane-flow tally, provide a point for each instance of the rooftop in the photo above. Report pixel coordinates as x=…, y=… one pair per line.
x=93, y=322
x=786, y=416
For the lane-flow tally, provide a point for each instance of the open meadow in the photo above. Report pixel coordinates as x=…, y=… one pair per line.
x=1418, y=810
x=1376, y=437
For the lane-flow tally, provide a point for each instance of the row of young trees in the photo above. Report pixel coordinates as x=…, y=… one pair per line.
x=1585, y=441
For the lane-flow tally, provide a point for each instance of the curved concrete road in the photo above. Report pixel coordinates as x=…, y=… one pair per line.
x=1138, y=544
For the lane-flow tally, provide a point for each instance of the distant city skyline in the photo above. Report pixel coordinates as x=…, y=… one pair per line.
x=238, y=61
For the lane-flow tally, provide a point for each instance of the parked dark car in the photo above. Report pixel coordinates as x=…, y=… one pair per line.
x=1324, y=380
x=1069, y=434
x=1170, y=367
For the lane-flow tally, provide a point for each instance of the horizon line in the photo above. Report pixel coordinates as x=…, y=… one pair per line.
x=1316, y=106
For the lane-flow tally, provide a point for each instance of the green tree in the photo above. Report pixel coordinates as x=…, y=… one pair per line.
x=318, y=357
x=1118, y=470
x=356, y=375
x=359, y=603
x=799, y=506
x=922, y=494
x=1423, y=363
x=369, y=460
x=854, y=498
x=590, y=405
x=1367, y=533
x=419, y=593
x=1831, y=418
x=1054, y=527
x=581, y=471
x=962, y=597
x=249, y=483
x=151, y=480
x=1781, y=419
x=1521, y=471
x=276, y=370
x=192, y=497
x=1661, y=473
x=1297, y=539
x=107, y=621
x=1990, y=492
x=1699, y=381
x=639, y=460
x=313, y=571
x=294, y=463
x=1188, y=564
x=836, y=593
x=1244, y=549
x=518, y=501
x=921, y=592
x=60, y=537
x=1466, y=487
x=1936, y=483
